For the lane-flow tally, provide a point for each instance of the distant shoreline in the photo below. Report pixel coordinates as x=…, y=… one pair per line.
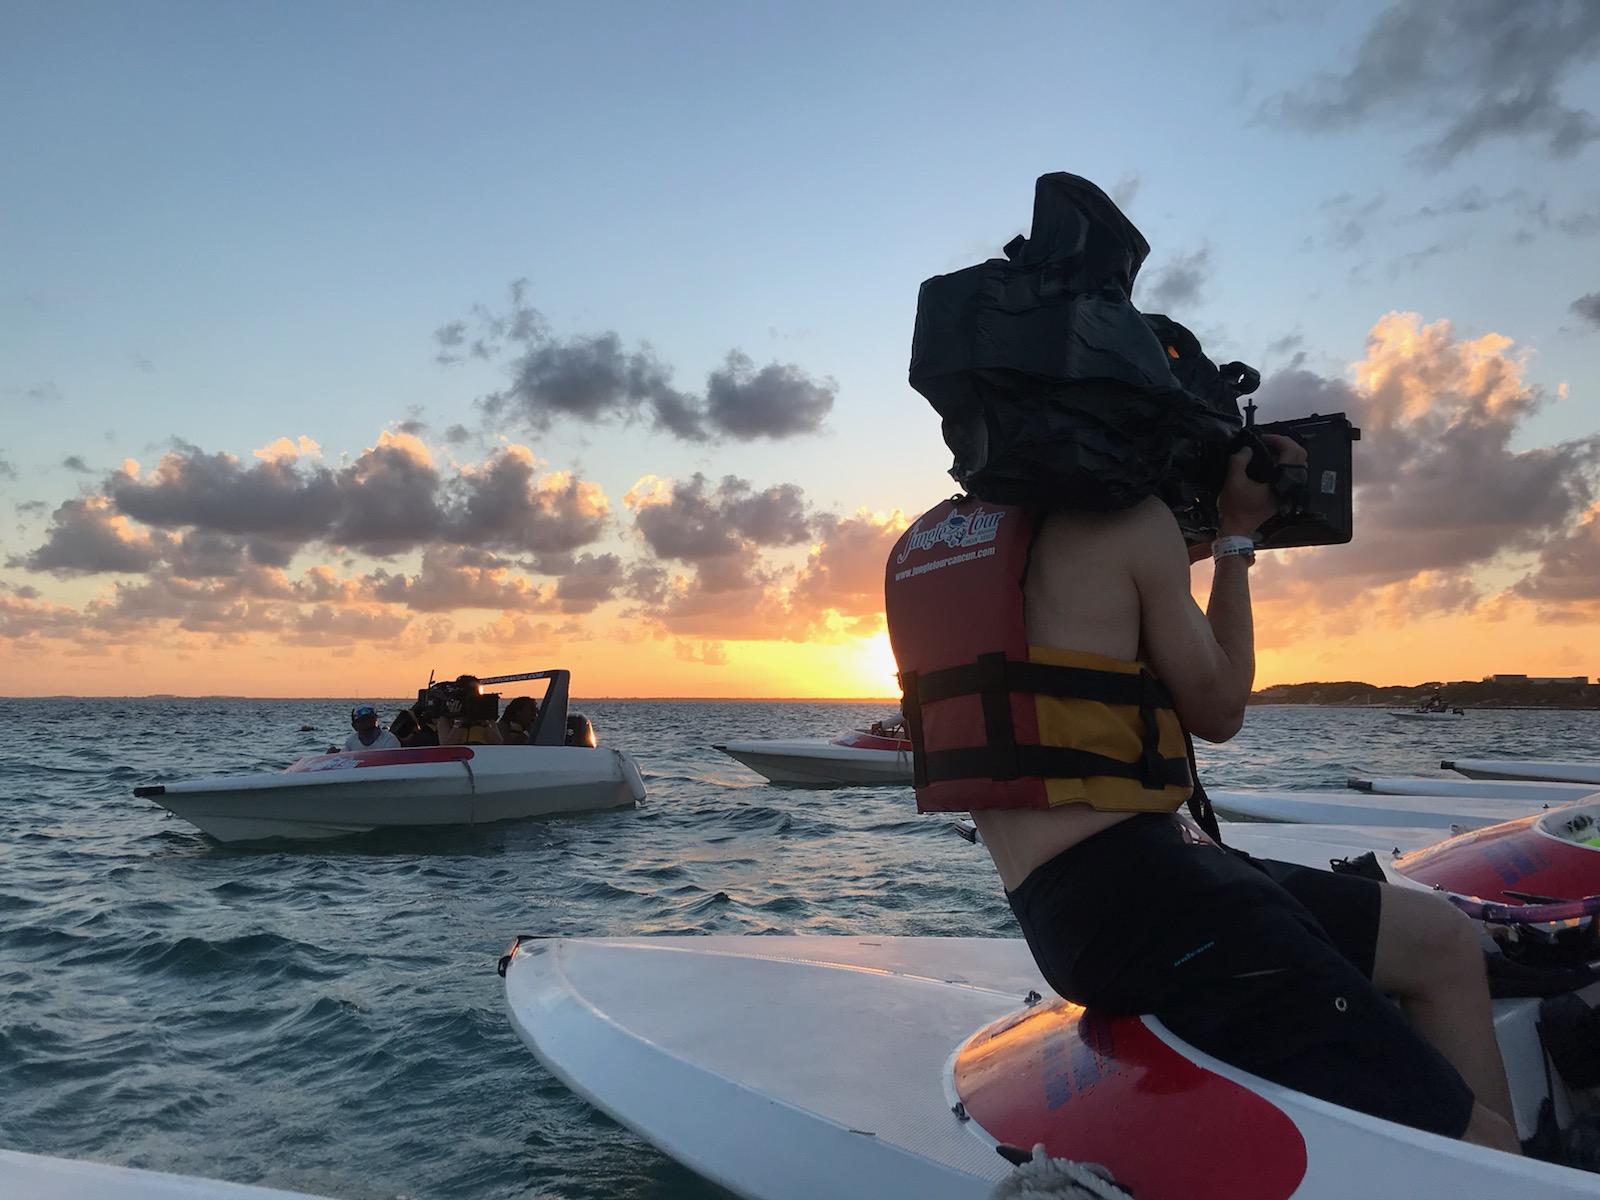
x=1479, y=695
x=1388, y=708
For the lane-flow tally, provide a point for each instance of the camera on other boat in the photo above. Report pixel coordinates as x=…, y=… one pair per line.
x=459, y=699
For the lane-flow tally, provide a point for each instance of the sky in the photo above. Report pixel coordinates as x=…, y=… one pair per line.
x=341, y=343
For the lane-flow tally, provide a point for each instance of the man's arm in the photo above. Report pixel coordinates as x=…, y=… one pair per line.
x=1208, y=662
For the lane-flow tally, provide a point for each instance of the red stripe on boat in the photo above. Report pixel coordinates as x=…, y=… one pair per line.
x=347, y=759
x=858, y=739
x=1108, y=1090
x=1514, y=856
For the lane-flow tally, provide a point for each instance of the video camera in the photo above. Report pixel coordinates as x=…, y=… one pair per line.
x=459, y=699
x=1056, y=392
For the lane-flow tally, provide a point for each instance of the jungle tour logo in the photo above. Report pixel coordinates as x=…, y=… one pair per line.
x=957, y=530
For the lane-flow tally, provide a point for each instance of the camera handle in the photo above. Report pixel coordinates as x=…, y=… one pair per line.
x=1289, y=483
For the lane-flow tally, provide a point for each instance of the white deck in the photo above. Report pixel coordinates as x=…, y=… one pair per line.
x=36, y=1177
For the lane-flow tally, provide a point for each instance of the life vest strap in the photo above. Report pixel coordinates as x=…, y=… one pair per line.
x=1041, y=679
x=993, y=677
x=1051, y=762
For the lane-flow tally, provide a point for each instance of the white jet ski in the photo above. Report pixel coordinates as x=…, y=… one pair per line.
x=1515, y=768
x=36, y=1177
x=1427, y=714
x=785, y=1068
x=1544, y=794
x=879, y=756
x=1358, y=808
x=332, y=795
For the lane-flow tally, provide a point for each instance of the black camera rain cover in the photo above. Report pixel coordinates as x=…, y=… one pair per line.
x=1053, y=388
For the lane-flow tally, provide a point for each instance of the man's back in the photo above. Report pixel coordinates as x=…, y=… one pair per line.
x=1081, y=594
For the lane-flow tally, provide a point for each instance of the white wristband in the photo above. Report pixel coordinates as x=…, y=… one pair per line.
x=1234, y=546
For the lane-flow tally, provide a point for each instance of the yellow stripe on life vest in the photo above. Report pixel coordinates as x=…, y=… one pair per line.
x=1113, y=730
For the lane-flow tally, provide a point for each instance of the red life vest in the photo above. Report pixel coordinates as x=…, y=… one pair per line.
x=996, y=723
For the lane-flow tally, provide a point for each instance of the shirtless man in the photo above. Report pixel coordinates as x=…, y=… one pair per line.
x=1280, y=970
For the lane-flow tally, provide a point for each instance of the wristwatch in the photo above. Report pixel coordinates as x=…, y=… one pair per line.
x=1234, y=546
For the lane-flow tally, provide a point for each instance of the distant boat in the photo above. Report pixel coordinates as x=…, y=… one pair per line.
x=1435, y=711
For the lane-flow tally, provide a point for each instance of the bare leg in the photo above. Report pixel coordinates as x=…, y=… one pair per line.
x=1491, y=1130
x=1429, y=957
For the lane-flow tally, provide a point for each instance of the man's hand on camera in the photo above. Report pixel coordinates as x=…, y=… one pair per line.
x=1245, y=505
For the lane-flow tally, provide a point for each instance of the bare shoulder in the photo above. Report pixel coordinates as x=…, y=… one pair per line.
x=1147, y=525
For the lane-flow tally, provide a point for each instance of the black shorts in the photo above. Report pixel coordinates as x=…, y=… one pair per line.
x=1265, y=965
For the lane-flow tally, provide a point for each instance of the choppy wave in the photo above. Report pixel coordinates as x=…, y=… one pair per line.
x=328, y=1018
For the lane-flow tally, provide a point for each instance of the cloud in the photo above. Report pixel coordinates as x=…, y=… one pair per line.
x=689, y=522
x=7, y=471
x=732, y=595
x=1126, y=189
x=504, y=504
x=1568, y=568
x=1441, y=489
x=1469, y=70
x=457, y=577
x=214, y=491
x=284, y=450
x=1349, y=218
x=74, y=462
x=778, y=401
x=710, y=654
x=594, y=377
x=844, y=572
x=1587, y=307
x=86, y=535
x=591, y=581
x=390, y=499
x=1178, y=283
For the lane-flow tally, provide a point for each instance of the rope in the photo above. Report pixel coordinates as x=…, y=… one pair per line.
x=1046, y=1178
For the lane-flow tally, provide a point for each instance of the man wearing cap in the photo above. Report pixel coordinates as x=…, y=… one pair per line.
x=367, y=735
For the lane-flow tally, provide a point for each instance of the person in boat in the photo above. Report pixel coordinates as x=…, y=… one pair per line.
x=366, y=735
x=1055, y=712
x=517, y=721
x=411, y=731
x=464, y=728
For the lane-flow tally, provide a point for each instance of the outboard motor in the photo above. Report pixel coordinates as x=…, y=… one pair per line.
x=580, y=732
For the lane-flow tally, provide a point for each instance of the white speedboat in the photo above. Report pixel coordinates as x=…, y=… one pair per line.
x=1525, y=768
x=860, y=757
x=790, y=1067
x=36, y=1177
x=331, y=795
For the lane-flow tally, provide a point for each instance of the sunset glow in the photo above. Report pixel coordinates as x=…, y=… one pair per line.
x=627, y=392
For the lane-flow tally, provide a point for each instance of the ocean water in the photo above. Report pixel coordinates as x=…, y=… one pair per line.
x=326, y=1016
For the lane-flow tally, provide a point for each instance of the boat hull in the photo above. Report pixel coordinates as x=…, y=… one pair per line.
x=329, y=796
x=1542, y=792
x=817, y=762
x=1508, y=768
x=785, y=1068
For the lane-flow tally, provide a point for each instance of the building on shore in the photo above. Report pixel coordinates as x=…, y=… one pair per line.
x=1566, y=679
